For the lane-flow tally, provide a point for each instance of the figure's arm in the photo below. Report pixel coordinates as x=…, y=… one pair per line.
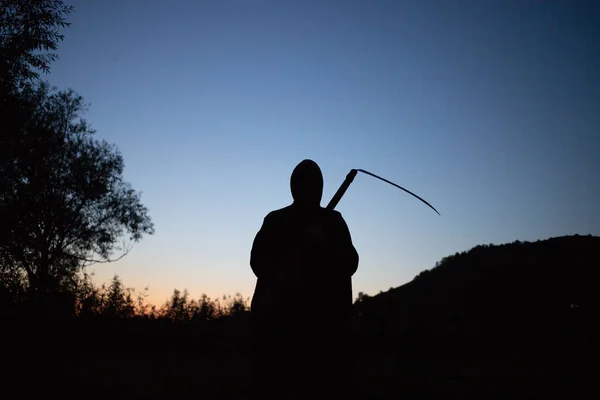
x=344, y=253
x=262, y=255
x=330, y=248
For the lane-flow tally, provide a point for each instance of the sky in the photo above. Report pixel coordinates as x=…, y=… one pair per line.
x=490, y=110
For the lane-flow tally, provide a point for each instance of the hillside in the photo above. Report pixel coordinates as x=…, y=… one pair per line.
x=519, y=300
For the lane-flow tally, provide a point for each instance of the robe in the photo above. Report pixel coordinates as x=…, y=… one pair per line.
x=302, y=304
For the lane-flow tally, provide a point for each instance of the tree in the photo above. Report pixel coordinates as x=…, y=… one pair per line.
x=63, y=201
x=29, y=37
x=118, y=302
x=361, y=297
x=177, y=307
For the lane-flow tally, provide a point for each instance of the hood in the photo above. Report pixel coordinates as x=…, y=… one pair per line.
x=307, y=184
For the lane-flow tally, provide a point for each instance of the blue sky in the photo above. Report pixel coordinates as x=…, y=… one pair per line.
x=490, y=110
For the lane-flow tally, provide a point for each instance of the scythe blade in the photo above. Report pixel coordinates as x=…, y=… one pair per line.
x=350, y=177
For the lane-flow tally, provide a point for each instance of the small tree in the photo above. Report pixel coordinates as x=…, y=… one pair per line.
x=206, y=308
x=236, y=305
x=89, y=299
x=361, y=297
x=177, y=307
x=119, y=302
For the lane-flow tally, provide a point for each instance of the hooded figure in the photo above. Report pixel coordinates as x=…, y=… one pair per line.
x=304, y=259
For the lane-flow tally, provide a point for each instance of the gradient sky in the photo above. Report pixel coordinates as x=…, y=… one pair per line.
x=490, y=110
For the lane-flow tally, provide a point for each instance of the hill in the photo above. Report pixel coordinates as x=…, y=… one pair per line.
x=521, y=300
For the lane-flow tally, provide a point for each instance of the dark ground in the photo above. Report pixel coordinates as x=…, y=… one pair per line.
x=158, y=363
x=225, y=377
x=516, y=321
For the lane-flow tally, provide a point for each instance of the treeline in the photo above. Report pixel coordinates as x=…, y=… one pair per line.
x=86, y=300
x=96, y=320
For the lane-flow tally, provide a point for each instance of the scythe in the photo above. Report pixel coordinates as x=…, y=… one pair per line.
x=350, y=177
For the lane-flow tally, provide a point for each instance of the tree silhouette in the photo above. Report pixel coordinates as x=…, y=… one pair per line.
x=119, y=301
x=63, y=201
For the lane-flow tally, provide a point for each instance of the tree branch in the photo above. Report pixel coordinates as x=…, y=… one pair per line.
x=91, y=261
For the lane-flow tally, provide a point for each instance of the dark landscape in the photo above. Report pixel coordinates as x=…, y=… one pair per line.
x=498, y=321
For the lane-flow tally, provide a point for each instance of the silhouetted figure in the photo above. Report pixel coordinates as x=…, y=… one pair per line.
x=304, y=260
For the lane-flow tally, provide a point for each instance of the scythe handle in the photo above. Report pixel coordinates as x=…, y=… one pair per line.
x=342, y=189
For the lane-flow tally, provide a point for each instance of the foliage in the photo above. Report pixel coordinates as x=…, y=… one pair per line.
x=180, y=308
x=63, y=200
x=29, y=37
x=116, y=301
